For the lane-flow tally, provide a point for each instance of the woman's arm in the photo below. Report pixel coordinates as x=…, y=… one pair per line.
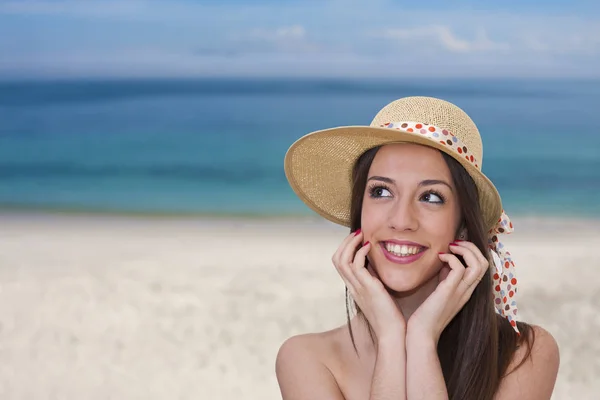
x=424, y=377
x=389, y=377
x=301, y=374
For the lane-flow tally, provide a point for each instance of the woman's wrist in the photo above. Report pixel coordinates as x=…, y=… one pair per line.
x=392, y=340
x=415, y=334
x=421, y=341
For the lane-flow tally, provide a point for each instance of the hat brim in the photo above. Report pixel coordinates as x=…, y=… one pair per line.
x=319, y=166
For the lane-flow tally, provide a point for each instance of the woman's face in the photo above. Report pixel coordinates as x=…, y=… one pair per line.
x=410, y=213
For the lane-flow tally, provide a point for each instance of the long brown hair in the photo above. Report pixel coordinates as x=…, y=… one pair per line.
x=477, y=346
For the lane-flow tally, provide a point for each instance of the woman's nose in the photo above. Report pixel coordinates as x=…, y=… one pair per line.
x=403, y=217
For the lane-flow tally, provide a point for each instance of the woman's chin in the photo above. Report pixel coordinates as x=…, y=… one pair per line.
x=396, y=284
x=403, y=281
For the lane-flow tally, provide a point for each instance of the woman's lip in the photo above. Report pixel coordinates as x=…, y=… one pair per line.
x=401, y=260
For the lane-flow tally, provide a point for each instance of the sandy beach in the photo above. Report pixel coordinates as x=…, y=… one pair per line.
x=111, y=307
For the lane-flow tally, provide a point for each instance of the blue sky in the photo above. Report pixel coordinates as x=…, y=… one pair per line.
x=345, y=38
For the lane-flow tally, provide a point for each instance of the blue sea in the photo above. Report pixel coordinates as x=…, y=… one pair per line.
x=217, y=146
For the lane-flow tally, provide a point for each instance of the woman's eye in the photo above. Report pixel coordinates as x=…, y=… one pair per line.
x=433, y=198
x=380, y=192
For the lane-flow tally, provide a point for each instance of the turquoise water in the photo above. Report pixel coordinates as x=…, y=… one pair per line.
x=217, y=146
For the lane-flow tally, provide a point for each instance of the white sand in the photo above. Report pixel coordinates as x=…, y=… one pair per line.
x=139, y=308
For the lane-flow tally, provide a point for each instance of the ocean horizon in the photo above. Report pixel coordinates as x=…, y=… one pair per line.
x=216, y=146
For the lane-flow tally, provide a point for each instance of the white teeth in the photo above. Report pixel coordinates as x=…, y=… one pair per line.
x=402, y=250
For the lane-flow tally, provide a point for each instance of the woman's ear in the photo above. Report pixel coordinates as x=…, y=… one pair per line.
x=463, y=235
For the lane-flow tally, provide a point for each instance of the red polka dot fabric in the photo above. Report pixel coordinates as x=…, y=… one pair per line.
x=443, y=136
x=505, y=278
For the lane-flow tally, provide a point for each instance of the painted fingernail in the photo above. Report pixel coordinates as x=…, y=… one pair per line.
x=366, y=243
x=452, y=244
x=441, y=253
x=357, y=232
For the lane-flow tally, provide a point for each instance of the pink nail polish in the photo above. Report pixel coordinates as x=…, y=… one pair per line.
x=453, y=244
x=441, y=253
x=357, y=232
x=366, y=243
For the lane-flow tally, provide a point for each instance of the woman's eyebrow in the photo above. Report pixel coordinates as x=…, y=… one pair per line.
x=430, y=182
x=426, y=182
x=382, y=178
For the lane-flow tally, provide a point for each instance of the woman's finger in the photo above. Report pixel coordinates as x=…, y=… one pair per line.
x=484, y=261
x=475, y=250
x=362, y=274
x=343, y=267
x=349, y=275
x=473, y=267
x=361, y=256
x=338, y=254
x=372, y=271
x=351, y=246
x=457, y=269
x=456, y=278
x=345, y=275
x=444, y=272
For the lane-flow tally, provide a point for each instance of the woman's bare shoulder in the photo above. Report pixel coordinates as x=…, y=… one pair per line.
x=317, y=341
x=303, y=366
x=538, y=367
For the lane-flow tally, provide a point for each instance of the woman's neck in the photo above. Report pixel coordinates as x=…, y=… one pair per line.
x=409, y=302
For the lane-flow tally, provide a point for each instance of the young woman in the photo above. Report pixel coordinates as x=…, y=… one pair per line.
x=433, y=286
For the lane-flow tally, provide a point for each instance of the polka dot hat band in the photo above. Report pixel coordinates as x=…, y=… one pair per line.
x=504, y=277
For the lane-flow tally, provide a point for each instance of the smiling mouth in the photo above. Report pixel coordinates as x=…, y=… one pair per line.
x=403, y=250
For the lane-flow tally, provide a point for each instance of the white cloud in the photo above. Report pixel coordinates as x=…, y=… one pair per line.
x=444, y=37
x=284, y=39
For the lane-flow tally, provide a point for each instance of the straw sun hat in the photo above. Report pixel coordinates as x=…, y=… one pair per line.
x=319, y=167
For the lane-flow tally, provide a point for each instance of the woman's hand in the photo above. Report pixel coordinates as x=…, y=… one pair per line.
x=455, y=287
x=367, y=290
